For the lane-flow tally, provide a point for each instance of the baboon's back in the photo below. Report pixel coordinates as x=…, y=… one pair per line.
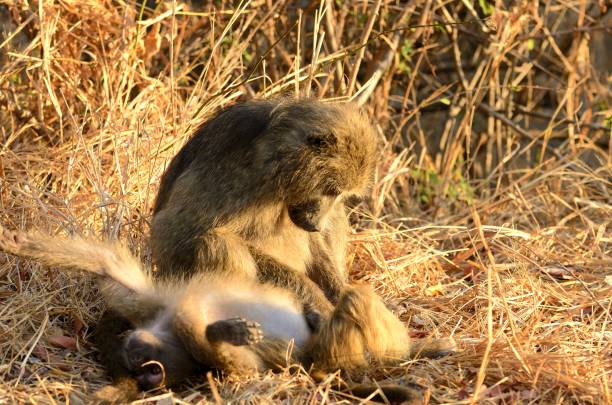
x=228, y=136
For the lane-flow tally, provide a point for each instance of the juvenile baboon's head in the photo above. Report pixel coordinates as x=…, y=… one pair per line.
x=321, y=154
x=156, y=358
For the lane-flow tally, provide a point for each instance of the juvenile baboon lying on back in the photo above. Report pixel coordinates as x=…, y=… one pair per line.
x=228, y=321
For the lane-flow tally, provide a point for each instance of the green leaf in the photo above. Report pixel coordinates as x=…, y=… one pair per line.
x=445, y=101
x=530, y=44
x=406, y=49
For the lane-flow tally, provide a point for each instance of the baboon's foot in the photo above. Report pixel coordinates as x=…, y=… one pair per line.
x=236, y=331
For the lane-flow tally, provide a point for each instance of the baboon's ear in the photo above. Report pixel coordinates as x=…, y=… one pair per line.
x=321, y=140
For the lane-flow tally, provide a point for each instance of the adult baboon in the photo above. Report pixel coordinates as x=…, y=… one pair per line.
x=260, y=189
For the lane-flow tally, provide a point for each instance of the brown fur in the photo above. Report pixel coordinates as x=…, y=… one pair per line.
x=194, y=321
x=246, y=192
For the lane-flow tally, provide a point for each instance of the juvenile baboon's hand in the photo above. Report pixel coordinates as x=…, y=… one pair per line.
x=433, y=348
x=236, y=331
x=11, y=241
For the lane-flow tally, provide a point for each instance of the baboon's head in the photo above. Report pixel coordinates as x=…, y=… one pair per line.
x=156, y=358
x=321, y=155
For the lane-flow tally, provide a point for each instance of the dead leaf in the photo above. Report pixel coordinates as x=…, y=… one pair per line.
x=463, y=394
x=418, y=334
x=558, y=272
x=152, y=42
x=434, y=290
x=41, y=353
x=495, y=391
x=65, y=342
x=77, y=325
x=48, y=357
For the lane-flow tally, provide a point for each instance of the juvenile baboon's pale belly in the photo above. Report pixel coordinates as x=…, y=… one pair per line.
x=276, y=312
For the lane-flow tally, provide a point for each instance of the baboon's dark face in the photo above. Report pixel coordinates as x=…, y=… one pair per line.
x=157, y=359
x=311, y=214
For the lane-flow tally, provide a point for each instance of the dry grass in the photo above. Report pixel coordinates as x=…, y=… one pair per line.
x=491, y=215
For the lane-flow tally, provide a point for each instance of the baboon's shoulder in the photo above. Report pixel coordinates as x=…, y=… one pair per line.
x=225, y=137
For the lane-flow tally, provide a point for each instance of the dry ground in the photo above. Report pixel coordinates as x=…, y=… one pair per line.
x=490, y=217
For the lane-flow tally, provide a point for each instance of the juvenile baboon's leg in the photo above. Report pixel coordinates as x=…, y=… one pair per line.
x=235, y=331
x=273, y=272
x=223, y=344
x=230, y=341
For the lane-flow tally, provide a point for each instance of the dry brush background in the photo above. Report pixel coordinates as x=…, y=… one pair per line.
x=490, y=218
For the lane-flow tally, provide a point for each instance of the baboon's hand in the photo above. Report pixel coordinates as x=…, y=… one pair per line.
x=433, y=348
x=236, y=331
x=313, y=317
x=11, y=241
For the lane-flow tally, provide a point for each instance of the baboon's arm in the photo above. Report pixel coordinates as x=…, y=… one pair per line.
x=322, y=270
x=327, y=266
x=184, y=244
x=273, y=272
